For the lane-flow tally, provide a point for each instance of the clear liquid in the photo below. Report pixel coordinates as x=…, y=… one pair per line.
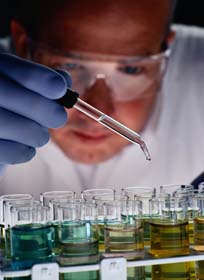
x=169, y=239
x=31, y=243
x=112, y=124
x=79, y=253
x=136, y=273
x=124, y=240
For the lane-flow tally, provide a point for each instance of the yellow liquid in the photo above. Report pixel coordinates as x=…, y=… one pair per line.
x=199, y=233
x=199, y=270
x=191, y=232
x=199, y=245
x=191, y=240
x=2, y=242
x=175, y=271
x=101, y=246
x=146, y=226
x=2, y=237
x=169, y=239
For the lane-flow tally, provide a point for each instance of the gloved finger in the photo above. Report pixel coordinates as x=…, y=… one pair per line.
x=71, y=96
x=66, y=76
x=24, y=102
x=33, y=76
x=12, y=152
x=22, y=130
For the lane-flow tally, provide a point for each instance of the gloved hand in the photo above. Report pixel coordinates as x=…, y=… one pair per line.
x=27, y=107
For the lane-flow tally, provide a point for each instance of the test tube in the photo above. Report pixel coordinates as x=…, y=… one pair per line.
x=71, y=99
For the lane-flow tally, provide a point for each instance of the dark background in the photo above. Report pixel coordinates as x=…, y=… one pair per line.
x=190, y=12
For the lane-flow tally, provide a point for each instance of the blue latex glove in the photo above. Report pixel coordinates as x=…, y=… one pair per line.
x=27, y=107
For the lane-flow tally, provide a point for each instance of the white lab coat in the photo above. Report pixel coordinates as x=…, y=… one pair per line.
x=174, y=135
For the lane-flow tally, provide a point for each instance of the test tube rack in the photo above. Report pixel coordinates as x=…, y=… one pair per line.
x=108, y=267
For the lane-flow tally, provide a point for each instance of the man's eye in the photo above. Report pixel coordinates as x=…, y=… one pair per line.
x=131, y=70
x=72, y=66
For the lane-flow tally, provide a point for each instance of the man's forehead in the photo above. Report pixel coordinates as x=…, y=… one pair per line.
x=128, y=31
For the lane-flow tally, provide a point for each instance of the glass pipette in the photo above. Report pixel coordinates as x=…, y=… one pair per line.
x=71, y=99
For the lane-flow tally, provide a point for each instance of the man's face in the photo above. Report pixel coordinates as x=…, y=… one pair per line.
x=130, y=28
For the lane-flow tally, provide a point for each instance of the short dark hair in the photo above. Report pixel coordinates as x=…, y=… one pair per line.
x=173, y=8
x=33, y=14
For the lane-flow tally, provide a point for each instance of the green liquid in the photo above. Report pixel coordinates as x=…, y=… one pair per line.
x=31, y=243
x=78, y=245
x=19, y=278
x=55, y=245
x=7, y=244
x=86, y=275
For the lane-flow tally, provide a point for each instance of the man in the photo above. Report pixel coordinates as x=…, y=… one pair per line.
x=116, y=53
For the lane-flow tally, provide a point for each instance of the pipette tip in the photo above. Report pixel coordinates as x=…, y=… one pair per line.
x=145, y=151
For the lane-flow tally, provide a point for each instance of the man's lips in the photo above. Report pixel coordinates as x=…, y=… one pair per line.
x=91, y=136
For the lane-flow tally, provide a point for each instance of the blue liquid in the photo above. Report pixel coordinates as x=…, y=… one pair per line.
x=30, y=244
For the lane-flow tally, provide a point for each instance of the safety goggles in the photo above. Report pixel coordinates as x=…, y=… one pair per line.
x=128, y=77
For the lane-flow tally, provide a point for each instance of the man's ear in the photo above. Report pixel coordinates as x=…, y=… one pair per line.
x=171, y=36
x=20, y=38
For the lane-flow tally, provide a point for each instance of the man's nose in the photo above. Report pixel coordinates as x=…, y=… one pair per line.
x=99, y=95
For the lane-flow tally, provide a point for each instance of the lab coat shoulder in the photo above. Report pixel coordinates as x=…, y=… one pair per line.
x=25, y=178
x=180, y=134
x=185, y=67
x=49, y=170
x=188, y=50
